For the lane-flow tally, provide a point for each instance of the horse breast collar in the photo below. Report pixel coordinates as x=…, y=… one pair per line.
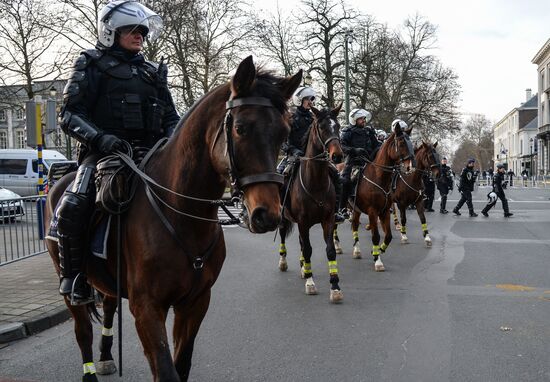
x=239, y=182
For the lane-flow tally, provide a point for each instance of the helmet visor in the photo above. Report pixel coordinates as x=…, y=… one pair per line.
x=155, y=27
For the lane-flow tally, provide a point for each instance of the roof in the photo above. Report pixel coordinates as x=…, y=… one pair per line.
x=532, y=103
x=533, y=125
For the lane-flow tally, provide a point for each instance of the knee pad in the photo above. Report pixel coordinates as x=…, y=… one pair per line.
x=74, y=213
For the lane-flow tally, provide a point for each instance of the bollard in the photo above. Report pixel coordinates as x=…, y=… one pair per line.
x=40, y=207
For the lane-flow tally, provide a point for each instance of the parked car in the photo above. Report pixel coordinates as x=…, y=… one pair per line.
x=11, y=205
x=19, y=169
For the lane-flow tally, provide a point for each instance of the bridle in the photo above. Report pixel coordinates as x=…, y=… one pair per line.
x=410, y=150
x=239, y=182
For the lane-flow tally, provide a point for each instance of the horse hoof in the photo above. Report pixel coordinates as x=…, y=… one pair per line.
x=404, y=239
x=310, y=287
x=336, y=296
x=428, y=241
x=105, y=367
x=379, y=266
x=356, y=253
x=283, y=265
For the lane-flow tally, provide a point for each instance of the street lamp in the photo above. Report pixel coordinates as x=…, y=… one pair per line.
x=53, y=92
x=347, y=40
x=308, y=80
x=531, y=156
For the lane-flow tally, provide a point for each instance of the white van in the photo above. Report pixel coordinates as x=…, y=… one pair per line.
x=19, y=169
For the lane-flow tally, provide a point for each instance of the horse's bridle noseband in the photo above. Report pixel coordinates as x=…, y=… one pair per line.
x=239, y=182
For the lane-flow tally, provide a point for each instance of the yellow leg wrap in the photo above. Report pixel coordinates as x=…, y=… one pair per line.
x=333, y=267
x=355, y=235
x=89, y=368
x=282, y=248
x=383, y=247
x=376, y=250
x=425, y=227
x=307, y=267
x=302, y=259
x=403, y=229
x=108, y=332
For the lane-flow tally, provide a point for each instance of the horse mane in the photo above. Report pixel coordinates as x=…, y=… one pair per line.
x=305, y=138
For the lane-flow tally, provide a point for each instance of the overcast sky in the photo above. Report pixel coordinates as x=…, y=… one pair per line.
x=489, y=44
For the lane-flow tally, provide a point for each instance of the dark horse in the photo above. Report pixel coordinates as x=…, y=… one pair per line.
x=173, y=260
x=409, y=189
x=311, y=198
x=373, y=193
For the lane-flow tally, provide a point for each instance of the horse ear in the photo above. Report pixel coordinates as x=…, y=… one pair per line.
x=435, y=144
x=244, y=77
x=334, y=112
x=290, y=84
x=316, y=112
x=397, y=130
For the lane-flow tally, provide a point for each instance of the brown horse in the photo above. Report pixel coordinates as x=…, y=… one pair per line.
x=173, y=253
x=409, y=189
x=311, y=198
x=373, y=193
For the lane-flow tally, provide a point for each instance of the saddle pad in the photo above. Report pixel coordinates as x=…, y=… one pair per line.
x=99, y=235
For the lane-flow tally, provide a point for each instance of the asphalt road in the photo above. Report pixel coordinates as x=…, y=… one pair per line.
x=474, y=307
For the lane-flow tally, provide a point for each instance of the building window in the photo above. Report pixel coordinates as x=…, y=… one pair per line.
x=2, y=115
x=19, y=114
x=20, y=139
x=3, y=140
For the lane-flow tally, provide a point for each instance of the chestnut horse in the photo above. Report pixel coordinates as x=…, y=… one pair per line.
x=409, y=189
x=373, y=192
x=311, y=198
x=172, y=253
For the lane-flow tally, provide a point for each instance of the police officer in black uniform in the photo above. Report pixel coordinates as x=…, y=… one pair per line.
x=498, y=180
x=112, y=95
x=466, y=186
x=360, y=144
x=444, y=184
x=295, y=146
x=429, y=191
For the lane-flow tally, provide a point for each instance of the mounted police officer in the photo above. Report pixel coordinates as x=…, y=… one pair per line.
x=498, y=191
x=360, y=144
x=444, y=184
x=466, y=187
x=112, y=96
x=295, y=146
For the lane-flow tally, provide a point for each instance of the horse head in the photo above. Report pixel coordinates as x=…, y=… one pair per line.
x=256, y=124
x=427, y=158
x=327, y=132
x=402, y=153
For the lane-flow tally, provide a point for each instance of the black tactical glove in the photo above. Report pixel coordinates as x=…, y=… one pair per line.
x=108, y=143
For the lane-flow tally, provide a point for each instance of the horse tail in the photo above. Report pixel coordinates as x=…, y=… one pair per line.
x=286, y=226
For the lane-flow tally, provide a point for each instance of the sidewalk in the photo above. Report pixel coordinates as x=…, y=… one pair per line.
x=29, y=298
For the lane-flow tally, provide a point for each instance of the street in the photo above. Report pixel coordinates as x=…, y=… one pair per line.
x=473, y=307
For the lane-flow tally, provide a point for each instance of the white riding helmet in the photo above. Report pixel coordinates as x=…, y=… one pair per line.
x=355, y=114
x=399, y=122
x=381, y=135
x=492, y=196
x=122, y=13
x=301, y=93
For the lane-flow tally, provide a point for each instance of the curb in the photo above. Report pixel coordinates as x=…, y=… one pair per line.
x=19, y=330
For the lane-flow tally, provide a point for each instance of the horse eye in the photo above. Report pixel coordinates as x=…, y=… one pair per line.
x=241, y=130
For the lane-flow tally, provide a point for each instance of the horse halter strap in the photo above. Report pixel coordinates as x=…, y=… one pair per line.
x=239, y=182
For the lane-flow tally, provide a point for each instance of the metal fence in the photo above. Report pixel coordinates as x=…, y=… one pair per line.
x=21, y=228
x=540, y=181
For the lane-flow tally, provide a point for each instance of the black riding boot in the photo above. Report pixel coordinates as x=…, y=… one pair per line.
x=346, y=192
x=71, y=259
x=335, y=177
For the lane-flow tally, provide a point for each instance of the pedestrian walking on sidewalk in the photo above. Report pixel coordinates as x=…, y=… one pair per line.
x=444, y=184
x=498, y=192
x=465, y=187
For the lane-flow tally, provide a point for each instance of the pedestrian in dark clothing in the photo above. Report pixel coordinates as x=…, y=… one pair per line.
x=444, y=184
x=466, y=187
x=114, y=97
x=498, y=193
x=429, y=192
x=491, y=174
x=511, y=175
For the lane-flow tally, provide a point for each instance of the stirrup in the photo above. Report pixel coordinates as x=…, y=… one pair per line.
x=85, y=299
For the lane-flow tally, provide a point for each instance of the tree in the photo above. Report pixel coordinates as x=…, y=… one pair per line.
x=325, y=23
x=476, y=142
x=28, y=42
